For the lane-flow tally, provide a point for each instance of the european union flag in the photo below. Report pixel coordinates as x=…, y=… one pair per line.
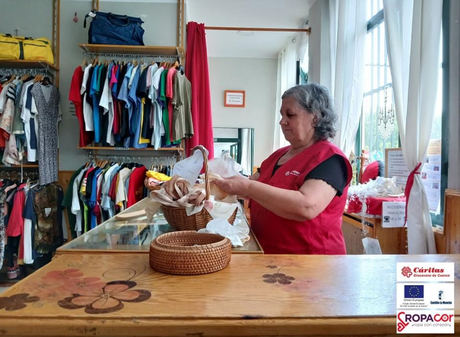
x=413, y=291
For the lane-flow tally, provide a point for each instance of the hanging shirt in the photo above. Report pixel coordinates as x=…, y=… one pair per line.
x=67, y=201
x=126, y=108
x=136, y=119
x=108, y=177
x=86, y=106
x=76, y=207
x=156, y=117
x=121, y=193
x=136, y=185
x=15, y=226
x=106, y=103
x=170, y=94
x=164, y=107
x=28, y=119
x=75, y=98
x=182, y=115
x=116, y=112
x=30, y=220
x=93, y=93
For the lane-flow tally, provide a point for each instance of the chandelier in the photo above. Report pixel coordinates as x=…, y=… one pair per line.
x=386, y=115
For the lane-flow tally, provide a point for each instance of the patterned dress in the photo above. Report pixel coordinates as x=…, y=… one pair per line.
x=2, y=225
x=47, y=102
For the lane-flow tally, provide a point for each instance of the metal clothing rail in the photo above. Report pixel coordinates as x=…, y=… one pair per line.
x=128, y=57
x=260, y=29
x=26, y=71
x=126, y=157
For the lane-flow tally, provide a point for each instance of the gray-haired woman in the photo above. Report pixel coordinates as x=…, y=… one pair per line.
x=298, y=196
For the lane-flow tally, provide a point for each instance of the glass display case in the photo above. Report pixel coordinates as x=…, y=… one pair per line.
x=132, y=231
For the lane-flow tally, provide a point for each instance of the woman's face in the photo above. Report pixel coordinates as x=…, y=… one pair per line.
x=296, y=122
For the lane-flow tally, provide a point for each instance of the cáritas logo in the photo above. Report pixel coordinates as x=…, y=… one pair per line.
x=406, y=271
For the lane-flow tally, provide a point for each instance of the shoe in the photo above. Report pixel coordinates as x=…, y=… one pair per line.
x=12, y=273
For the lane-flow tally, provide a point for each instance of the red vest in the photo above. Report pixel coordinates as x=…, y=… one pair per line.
x=321, y=235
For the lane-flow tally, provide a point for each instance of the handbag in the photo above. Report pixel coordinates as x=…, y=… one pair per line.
x=25, y=48
x=109, y=28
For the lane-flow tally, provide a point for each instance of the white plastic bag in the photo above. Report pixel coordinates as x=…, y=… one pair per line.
x=189, y=168
x=225, y=167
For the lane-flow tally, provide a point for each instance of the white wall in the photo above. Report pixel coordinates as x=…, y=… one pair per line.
x=257, y=77
x=27, y=18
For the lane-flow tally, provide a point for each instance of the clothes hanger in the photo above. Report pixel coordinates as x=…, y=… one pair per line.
x=10, y=80
x=38, y=78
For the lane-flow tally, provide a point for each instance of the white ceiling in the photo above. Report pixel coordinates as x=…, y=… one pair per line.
x=248, y=13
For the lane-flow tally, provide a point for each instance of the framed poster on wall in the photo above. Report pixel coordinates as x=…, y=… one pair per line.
x=234, y=98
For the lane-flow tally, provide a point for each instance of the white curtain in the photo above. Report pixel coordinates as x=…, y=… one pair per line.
x=246, y=151
x=413, y=32
x=347, y=36
x=286, y=78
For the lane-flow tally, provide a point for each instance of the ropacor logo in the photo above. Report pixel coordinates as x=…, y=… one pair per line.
x=405, y=319
x=406, y=271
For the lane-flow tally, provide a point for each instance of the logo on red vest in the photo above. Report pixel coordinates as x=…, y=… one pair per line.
x=292, y=173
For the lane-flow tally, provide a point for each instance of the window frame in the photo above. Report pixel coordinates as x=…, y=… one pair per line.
x=378, y=18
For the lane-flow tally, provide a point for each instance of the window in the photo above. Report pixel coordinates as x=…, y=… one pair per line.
x=378, y=128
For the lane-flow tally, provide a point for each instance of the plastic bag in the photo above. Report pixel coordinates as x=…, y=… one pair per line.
x=225, y=167
x=189, y=168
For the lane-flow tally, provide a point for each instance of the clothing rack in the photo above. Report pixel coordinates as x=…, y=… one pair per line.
x=11, y=172
x=147, y=160
x=27, y=71
x=129, y=57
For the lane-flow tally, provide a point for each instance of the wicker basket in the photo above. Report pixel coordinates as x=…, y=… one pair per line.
x=177, y=216
x=190, y=253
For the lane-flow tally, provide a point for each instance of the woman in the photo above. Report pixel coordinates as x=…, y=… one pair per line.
x=298, y=197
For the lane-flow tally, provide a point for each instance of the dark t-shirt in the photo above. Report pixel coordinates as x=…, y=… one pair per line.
x=333, y=171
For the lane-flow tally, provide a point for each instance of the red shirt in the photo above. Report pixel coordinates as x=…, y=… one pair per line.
x=75, y=97
x=136, y=185
x=15, y=225
x=321, y=235
x=170, y=94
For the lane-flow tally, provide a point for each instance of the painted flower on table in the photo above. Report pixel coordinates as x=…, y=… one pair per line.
x=106, y=299
x=83, y=286
x=56, y=283
x=16, y=301
x=63, y=275
x=277, y=277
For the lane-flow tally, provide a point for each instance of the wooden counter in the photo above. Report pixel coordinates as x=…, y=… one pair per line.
x=356, y=227
x=256, y=295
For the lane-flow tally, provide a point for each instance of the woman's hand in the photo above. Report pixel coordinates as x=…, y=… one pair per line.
x=236, y=185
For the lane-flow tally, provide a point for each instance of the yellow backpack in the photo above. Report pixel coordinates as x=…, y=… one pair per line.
x=25, y=48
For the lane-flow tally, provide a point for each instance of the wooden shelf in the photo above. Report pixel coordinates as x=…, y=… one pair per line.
x=19, y=166
x=110, y=148
x=128, y=49
x=27, y=64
